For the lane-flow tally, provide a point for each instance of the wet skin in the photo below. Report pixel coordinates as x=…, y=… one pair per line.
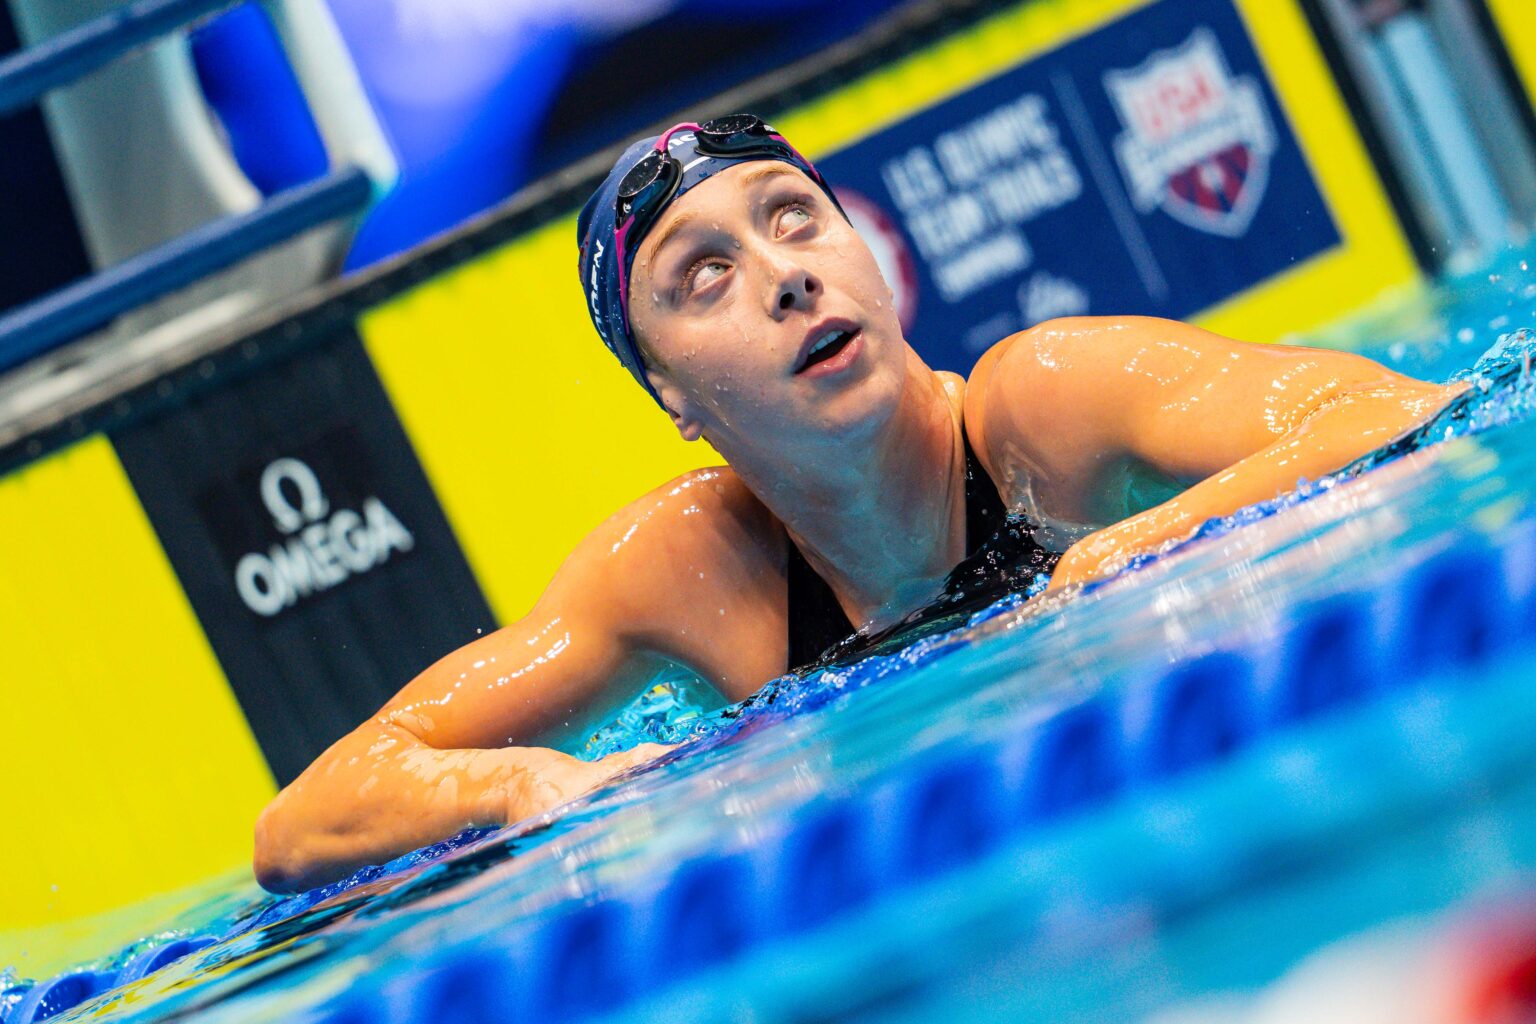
x=857, y=460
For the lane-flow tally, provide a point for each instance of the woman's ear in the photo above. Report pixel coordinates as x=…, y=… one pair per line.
x=684, y=413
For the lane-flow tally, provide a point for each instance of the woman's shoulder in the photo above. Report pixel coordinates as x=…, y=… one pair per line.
x=716, y=490
x=1039, y=347
x=702, y=577
x=1026, y=397
x=707, y=513
x=992, y=368
x=1016, y=384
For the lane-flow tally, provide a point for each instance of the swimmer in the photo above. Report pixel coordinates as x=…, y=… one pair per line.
x=719, y=268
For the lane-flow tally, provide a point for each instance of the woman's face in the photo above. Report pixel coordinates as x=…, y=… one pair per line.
x=735, y=291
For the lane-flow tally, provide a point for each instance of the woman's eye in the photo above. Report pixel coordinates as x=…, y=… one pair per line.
x=790, y=220
x=703, y=272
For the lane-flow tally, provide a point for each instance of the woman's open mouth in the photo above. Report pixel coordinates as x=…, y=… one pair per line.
x=831, y=353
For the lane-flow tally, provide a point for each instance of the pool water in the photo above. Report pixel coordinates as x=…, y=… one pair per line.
x=1155, y=797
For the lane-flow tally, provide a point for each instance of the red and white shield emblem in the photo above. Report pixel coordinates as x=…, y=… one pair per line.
x=1198, y=141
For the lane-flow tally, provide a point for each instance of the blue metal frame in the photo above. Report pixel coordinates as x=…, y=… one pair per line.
x=74, y=309
x=54, y=319
x=28, y=74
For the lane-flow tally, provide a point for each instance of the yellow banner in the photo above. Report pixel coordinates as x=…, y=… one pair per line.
x=135, y=771
x=1516, y=21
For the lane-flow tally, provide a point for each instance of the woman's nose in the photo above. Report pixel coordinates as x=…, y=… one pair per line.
x=795, y=288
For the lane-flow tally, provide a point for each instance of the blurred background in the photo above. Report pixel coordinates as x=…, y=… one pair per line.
x=292, y=350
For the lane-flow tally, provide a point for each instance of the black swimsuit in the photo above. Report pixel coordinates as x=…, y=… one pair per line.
x=817, y=621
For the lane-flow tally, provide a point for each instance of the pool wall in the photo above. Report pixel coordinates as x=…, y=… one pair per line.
x=251, y=551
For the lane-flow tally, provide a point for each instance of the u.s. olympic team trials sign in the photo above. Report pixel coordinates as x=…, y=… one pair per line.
x=1145, y=168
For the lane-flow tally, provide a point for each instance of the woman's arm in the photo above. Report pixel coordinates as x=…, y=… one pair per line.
x=676, y=577
x=438, y=758
x=1353, y=423
x=1247, y=421
x=418, y=796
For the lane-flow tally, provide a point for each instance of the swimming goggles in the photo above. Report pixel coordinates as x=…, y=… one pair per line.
x=649, y=185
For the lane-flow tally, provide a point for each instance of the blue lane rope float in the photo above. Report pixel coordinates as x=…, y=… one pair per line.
x=1329, y=662
x=64, y=992
x=148, y=961
x=68, y=990
x=1073, y=760
x=1199, y=711
x=841, y=853
x=1458, y=609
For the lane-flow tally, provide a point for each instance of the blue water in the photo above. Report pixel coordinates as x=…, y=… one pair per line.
x=1402, y=807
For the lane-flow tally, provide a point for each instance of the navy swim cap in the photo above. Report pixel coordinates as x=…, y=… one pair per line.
x=595, y=228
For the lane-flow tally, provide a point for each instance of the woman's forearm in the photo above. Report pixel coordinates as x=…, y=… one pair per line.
x=1348, y=426
x=380, y=792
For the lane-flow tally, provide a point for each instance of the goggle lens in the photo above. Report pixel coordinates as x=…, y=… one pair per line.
x=641, y=180
x=737, y=133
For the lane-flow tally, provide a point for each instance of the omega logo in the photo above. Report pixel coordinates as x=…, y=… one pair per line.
x=321, y=548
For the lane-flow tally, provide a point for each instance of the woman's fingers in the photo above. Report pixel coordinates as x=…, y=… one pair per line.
x=634, y=756
x=560, y=778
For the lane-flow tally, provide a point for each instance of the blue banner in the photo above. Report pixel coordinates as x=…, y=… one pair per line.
x=1144, y=168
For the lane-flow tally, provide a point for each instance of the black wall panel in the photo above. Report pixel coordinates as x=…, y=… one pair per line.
x=315, y=553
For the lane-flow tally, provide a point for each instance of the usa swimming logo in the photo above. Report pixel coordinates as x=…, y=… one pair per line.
x=1198, y=141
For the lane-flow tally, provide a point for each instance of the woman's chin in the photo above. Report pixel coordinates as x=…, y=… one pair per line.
x=859, y=412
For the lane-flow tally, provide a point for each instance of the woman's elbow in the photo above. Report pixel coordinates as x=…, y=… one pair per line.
x=277, y=859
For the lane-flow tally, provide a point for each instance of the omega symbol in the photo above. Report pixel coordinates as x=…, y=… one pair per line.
x=312, y=505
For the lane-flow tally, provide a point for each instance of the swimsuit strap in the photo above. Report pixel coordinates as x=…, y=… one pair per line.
x=985, y=512
x=817, y=621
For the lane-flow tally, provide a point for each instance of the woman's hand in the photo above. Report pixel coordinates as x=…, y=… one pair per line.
x=552, y=778
x=396, y=794
x=1084, y=560
x=1107, y=551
